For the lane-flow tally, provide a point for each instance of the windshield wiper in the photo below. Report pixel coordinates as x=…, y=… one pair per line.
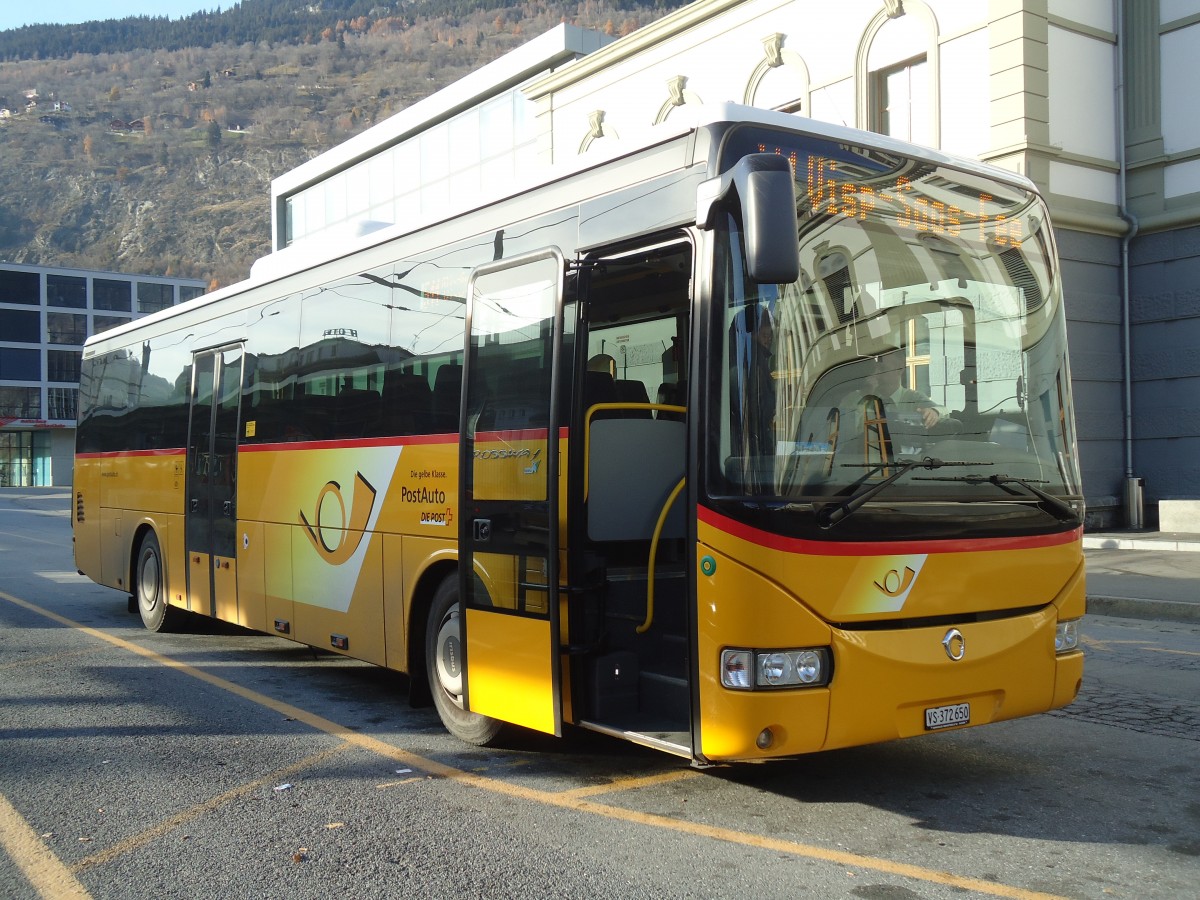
x=830, y=515
x=1048, y=503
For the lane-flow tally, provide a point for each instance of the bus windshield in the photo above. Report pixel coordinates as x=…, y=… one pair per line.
x=925, y=332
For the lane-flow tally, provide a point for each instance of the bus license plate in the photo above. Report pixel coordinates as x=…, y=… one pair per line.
x=945, y=716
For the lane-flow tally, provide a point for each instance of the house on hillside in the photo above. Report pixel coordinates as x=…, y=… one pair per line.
x=5, y=112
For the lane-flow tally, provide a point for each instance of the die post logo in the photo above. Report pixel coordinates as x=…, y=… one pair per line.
x=334, y=534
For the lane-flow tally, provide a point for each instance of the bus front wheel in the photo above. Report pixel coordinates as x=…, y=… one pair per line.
x=150, y=587
x=443, y=664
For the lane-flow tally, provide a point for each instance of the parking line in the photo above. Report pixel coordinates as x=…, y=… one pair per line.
x=630, y=784
x=560, y=800
x=44, y=871
x=132, y=843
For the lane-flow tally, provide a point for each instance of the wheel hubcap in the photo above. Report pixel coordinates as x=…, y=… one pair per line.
x=449, y=658
x=148, y=581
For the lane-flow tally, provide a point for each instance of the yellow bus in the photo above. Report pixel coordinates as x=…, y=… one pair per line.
x=754, y=440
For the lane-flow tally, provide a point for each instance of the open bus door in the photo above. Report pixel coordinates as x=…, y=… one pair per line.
x=509, y=491
x=211, y=515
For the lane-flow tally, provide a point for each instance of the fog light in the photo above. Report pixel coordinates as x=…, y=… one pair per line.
x=765, y=739
x=1066, y=636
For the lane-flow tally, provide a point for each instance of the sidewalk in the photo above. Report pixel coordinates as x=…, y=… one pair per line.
x=1144, y=575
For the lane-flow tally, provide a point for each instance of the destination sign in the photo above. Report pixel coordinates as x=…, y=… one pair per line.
x=831, y=191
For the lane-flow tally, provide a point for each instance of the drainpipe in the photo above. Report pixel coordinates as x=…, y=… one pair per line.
x=1134, y=487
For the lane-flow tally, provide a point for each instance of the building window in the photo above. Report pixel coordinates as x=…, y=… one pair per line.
x=103, y=323
x=153, y=297
x=66, y=328
x=114, y=295
x=20, y=365
x=20, y=287
x=60, y=403
x=900, y=101
x=66, y=290
x=19, y=326
x=63, y=365
x=187, y=293
x=21, y=402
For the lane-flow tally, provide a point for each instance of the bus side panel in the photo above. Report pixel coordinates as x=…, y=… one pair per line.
x=251, y=567
x=342, y=615
x=394, y=594
x=86, y=517
x=279, y=609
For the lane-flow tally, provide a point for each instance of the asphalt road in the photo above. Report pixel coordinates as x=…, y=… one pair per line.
x=219, y=763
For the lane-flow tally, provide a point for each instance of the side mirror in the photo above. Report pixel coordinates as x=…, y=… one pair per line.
x=763, y=183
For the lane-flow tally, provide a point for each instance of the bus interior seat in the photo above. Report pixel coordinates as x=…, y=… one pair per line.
x=672, y=393
x=356, y=411
x=630, y=390
x=447, y=394
x=598, y=387
x=405, y=406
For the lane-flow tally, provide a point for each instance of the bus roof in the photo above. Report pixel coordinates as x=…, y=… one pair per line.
x=688, y=119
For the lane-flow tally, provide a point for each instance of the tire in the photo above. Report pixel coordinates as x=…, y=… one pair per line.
x=150, y=589
x=443, y=666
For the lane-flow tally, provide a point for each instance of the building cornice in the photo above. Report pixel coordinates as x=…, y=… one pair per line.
x=697, y=13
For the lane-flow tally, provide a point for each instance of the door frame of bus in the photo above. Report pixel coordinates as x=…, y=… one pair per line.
x=211, y=545
x=519, y=649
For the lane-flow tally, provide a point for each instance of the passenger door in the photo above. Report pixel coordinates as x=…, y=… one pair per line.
x=509, y=491
x=211, y=514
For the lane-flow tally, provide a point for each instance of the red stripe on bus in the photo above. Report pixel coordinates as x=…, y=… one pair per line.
x=880, y=548
x=113, y=454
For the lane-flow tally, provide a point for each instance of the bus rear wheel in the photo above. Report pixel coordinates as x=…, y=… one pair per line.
x=150, y=587
x=443, y=665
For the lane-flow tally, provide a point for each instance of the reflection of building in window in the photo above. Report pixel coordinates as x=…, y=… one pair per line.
x=916, y=357
x=900, y=101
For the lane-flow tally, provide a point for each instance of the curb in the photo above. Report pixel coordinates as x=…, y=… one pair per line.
x=1154, y=610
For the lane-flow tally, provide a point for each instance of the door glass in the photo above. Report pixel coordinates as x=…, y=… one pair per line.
x=199, y=454
x=223, y=477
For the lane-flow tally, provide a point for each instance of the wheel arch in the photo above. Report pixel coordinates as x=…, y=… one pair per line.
x=143, y=528
x=422, y=600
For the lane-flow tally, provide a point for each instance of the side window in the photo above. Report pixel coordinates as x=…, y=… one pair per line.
x=344, y=331
x=272, y=362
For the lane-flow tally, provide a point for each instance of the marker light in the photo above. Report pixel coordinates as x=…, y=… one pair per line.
x=805, y=667
x=1066, y=636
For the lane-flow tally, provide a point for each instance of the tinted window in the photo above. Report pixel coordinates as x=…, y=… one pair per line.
x=19, y=287
x=66, y=290
x=153, y=297
x=62, y=365
x=113, y=295
x=20, y=327
x=103, y=323
x=21, y=402
x=20, y=365
x=189, y=293
x=66, y=328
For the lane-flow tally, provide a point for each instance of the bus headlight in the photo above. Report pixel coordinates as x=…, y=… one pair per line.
x=1066, y=636
x=747, y=670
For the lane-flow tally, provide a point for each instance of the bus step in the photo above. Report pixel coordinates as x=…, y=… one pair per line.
x=664, y=695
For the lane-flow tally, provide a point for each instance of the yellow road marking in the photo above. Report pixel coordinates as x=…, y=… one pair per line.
x=188, y=815
x=545, y=798
x=630, y=784
x=1176, y=652
x=44, y=871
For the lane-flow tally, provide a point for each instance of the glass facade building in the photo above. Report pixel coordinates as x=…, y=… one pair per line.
x=46, y=313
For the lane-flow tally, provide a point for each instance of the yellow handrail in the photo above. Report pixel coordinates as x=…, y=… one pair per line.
x=658, y=527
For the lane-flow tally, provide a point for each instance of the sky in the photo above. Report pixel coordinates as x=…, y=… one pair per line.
x=15, y=13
